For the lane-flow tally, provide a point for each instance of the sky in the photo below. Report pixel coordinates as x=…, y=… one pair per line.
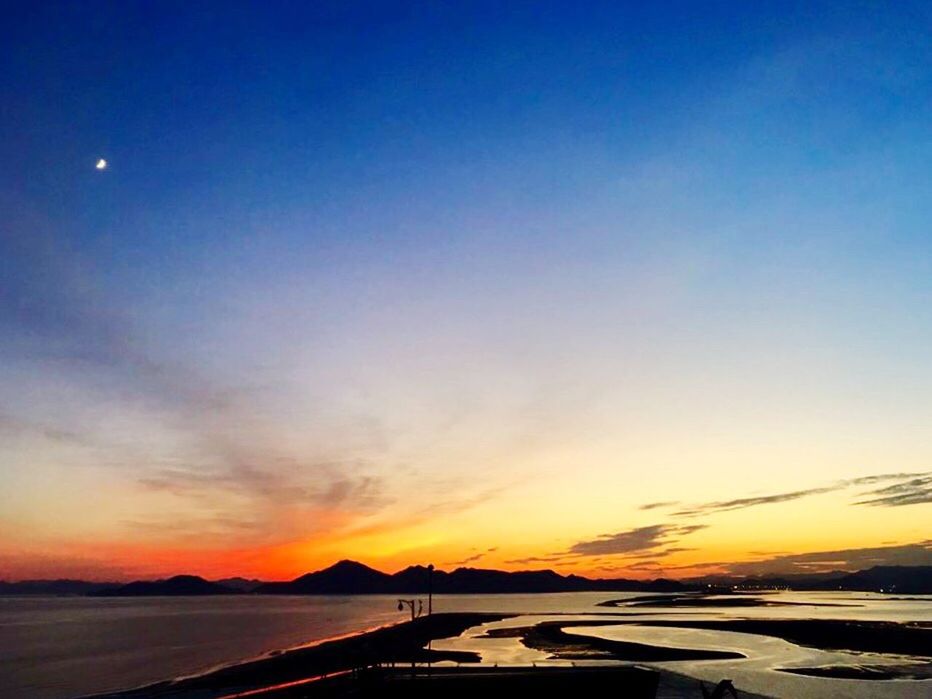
x=618, y=289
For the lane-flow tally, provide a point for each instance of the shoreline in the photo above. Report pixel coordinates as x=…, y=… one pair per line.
x=550, y=637
x=395, y=643
x=275, y=652
x=715, y=600
x=282, y=671
x=278, y=671
x=884, y=637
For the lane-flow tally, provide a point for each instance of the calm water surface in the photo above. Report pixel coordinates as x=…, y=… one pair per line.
x=53, y=648
x=755, y=673
x=56, y=647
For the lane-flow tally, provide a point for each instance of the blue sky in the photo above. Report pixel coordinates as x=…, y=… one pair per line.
x=351, y=259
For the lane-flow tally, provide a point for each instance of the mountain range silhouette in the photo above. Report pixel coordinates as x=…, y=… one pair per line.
x=353, y=578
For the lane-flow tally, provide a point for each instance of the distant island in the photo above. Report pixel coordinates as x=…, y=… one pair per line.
x=353, y=578
x=177, y=586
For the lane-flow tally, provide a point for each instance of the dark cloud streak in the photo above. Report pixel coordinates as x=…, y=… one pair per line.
x=916, y=554
x=467, y=560
x=657, y=505
x=916, y=491
x=741, y=503
x=633, y=540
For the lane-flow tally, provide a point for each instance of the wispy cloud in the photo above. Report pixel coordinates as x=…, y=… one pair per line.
x=12, y=425
x=219, y=453
x=651, y=566
x=657, y=505
x=463, y=501
x=741, y=503
x=633, y=540
x=915, y=554
x=915, y=490
x=658, y=553
x=217, y=527
x=364, y=492
x=467, y=560
x=52, y=305
x=881, y=478
x=528, y=560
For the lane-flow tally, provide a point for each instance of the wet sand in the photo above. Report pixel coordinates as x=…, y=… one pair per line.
x=407, y=643
x=912, y=642
x=557, y=639
x=711, y=600
x=550, y=637
x=823, y=634
x=296, y=670
x=865, y=672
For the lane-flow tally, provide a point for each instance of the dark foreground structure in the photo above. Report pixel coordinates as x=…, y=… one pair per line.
x=624, y=682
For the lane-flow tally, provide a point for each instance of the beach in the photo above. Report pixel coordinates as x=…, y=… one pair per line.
x=393, y=661
x=399, y=643
x=787, y=645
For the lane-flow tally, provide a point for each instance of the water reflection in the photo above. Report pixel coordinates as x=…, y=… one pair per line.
x=61, y=647
x=758, y=672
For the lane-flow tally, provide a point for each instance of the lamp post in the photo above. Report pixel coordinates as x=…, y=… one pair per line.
x=402, y=603
x=430, y=589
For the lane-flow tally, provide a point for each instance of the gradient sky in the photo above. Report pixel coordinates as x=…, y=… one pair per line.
x=624, y=289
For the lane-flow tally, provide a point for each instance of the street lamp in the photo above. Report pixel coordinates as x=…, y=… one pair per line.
x=430, y=589
x=402, y=603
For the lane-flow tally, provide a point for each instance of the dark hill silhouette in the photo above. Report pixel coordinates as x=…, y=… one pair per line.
x=478, y=580
x=180, y=585
x=343, y=578
x=902, y=579
x=349, y=577
x=413, y=579
x=352, y=578
x=897, y=579
x=240, y=584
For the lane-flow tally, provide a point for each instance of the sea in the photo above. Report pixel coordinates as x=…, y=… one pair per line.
x=64, y=647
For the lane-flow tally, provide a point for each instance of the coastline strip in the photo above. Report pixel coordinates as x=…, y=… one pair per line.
x=396, y=643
